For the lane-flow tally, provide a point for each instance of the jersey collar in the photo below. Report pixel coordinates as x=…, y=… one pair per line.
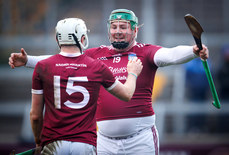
x=69, y=54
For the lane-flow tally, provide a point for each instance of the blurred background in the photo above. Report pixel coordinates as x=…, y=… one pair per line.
x=188, y=123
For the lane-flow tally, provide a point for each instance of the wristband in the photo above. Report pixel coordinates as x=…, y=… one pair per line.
x=133, y=75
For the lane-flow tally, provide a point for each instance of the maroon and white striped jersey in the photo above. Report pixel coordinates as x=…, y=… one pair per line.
x=140, y=105
x=70, y=86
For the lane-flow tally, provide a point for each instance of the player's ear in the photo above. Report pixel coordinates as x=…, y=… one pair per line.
x=136, y=32
x=83, y=39
x=136, y=29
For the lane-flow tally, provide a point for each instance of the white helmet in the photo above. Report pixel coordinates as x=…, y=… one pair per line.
x=69, y=31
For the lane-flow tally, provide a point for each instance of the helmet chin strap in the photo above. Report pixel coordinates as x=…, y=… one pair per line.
x=77, y=43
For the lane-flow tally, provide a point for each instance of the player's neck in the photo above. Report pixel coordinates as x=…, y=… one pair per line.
x=70, y=49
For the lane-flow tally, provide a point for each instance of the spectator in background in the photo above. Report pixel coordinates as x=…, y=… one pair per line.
x=196, y=81
x=223, y=74
x=196, y=91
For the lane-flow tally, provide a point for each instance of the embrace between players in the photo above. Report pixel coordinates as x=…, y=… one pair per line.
x=68, y=85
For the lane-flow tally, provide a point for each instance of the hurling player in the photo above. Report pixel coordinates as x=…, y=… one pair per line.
x=67, y=85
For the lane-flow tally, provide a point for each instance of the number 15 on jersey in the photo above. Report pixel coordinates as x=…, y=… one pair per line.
x=70, y=89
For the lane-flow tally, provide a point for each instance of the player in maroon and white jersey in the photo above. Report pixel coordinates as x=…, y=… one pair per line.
x=127, y=128
x=68, y=85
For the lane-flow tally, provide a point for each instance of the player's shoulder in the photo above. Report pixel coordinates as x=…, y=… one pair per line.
x=91, y=59
x=105, y=47
x=96, y=49
x=48, y=60
x=142, y=45
x=145, y=49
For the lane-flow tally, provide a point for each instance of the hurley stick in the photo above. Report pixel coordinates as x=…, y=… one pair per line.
x=197, y=30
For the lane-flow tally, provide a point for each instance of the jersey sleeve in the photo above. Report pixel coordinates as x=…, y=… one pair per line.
x=109, y=81
x=152, y=49
x=172, y=56
x=33, y=60
x=37, y=87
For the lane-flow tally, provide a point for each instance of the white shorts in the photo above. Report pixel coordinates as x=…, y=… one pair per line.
x=144, y=142
x=63, y=147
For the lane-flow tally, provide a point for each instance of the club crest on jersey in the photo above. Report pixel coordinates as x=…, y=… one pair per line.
x=131, y=56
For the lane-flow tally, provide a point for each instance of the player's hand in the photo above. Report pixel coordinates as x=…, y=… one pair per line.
x=37, y=150
x=134, y=66
x=18, y=59
x=203, y=54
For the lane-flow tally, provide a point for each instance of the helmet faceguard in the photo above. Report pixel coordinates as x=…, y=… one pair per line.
x=123, y=15
x=70, y=31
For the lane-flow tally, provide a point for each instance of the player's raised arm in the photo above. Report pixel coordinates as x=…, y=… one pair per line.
x=125, y=91
x=22, y=59
x=179, y=55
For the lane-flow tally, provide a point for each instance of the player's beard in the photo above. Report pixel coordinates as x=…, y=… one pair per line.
x=121, y=44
